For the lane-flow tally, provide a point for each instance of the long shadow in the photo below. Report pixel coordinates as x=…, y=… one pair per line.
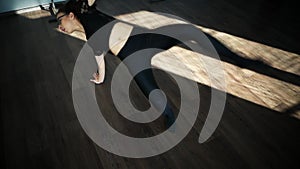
x=255, y=65
x=273, y=23
x=236, y=11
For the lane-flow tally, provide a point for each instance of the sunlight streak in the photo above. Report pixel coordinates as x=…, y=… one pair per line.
x=244, y=83
x=33, y=13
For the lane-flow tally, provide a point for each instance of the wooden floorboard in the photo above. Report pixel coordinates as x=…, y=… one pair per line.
x=40, y=129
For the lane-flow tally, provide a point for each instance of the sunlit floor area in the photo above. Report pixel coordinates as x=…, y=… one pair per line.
x=258, y=55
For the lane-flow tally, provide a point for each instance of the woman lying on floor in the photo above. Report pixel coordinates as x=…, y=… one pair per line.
x=82, y=16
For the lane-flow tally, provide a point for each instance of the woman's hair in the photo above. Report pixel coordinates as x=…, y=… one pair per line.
x=75, y=6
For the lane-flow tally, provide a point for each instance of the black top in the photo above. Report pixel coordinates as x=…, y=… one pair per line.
x=93, y=20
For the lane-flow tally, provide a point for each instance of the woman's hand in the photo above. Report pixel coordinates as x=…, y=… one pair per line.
x=96, y=79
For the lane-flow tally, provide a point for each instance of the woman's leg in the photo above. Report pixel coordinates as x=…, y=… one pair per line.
x=145, y=78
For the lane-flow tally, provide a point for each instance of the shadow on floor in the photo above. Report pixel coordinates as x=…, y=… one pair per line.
x=273, y=23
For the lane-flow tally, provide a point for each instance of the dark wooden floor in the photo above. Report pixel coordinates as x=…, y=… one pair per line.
x=39, y=127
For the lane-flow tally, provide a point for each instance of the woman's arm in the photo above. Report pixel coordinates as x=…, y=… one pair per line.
x=117, y=39
x=99, y=76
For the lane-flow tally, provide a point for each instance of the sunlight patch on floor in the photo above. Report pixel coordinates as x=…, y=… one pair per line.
x=244, y=83
x=33, y=13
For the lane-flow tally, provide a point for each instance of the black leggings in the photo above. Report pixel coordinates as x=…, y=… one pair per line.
x=145, y=78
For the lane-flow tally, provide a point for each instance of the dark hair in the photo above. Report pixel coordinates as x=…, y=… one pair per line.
x=78, y=7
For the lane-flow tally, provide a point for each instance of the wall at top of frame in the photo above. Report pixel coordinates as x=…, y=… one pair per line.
x=13, y=5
